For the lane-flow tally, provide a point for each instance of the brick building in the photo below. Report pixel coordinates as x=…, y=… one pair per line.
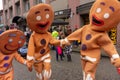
x=73, y=13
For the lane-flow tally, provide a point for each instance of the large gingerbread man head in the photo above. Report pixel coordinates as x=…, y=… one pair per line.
x=11, y=40
x=40, y=18
x=104, y=14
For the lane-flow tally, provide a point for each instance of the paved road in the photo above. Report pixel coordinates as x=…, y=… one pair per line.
x=64, y=70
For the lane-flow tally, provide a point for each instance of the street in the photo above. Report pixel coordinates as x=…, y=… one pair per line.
x=63, y=70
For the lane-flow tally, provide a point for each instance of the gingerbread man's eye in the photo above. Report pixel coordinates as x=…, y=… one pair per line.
x=106, y=15
x=98, y=10
x=10, y=40
x=38, y=18
x=47, y=16
x=19, y=42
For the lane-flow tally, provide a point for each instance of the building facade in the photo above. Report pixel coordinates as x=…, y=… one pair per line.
x=1, y=20
x=1, y=16
x=73, y=13
x=12, y=8
x=66, y=12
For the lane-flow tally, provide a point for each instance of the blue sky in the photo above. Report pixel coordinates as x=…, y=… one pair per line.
x=1, y=7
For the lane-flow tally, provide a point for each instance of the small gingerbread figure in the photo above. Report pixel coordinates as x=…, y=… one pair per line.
x=39, y=19
x=10, y=42
x=104, y=15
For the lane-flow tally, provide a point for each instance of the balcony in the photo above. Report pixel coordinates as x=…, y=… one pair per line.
x=84, y=9
x=62, y=14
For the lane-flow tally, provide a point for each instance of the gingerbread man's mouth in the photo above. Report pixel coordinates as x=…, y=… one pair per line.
x=13, y=48
x=96, y=21
x=42, y=25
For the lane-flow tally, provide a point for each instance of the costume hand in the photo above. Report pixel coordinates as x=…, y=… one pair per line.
x=116, y=62
x=29, y=65
x=63, y=43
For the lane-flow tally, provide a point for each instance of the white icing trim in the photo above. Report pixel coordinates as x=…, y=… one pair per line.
x=25, y=62
x=45, y=56
x=115, y=56
x=89, y=58
x=50, y=73
x=7, y=71
x=39, y=75
x=61, y=41
x=83, y=75
x=47, y=74
x=66, y=40
x=89, y=77
x=47, y=60
x=30, y=57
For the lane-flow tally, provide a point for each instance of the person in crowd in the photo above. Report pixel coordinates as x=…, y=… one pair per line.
x=58, y=49
x=68, y=48
x=1, y=31
x=75, y=42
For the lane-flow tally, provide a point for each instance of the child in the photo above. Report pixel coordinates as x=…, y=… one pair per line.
x=68, y=51
x=10, y=42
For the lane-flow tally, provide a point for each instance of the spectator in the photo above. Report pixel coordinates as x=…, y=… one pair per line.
x=68, y=48
x=68, y=51
x=1, y=31
x=75, y=43
x=58, y=49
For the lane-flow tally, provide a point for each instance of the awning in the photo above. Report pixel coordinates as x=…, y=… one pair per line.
x=59, y=22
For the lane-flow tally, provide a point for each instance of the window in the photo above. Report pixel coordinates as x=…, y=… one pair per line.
x=6, y=17
x=11, y=12
x=43, y=1
x=18, y=8
x=4, y=1
x=26, y=5
x=0, y=19
x=38, y=1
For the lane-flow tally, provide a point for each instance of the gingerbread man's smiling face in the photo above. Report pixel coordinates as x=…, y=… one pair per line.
x=104, y=14
x=40, y=18
x=11, y=41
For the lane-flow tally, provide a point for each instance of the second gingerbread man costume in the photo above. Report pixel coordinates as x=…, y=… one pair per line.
x=39, y=19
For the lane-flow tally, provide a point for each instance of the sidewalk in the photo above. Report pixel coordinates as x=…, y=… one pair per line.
x=77, y=49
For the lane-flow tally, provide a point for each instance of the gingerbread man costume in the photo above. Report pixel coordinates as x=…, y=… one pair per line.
x=10, y=42
x=104, y=15
x=39, y=19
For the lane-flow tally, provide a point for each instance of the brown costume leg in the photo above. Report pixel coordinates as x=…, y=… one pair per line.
x=83, y=62
x=39, y=68
x=8, y=76
x=47, y=69
x=43, y=69
x=89, y=70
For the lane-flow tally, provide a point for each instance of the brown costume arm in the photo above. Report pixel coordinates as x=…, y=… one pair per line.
x=54, y=41
x=19, y=58
x=76, y=35
x=105, y=42
x=31, y=48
